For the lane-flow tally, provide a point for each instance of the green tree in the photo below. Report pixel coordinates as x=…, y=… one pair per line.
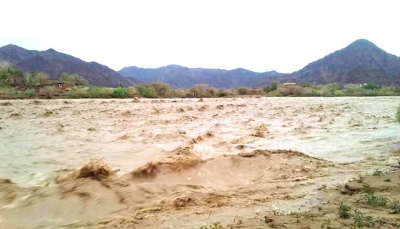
x=147, y=90
x=75, y=79
x=120, y=92
x=371, y=86
x=328, y=89
x=271, y=87
x=9, y=73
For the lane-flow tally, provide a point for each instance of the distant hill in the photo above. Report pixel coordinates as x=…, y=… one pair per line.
x=183, y=77
x=54, y=63
x=360, y=62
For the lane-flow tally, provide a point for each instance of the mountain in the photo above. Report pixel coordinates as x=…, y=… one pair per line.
x=54, y=63
x=183, y=77
x=360, y=62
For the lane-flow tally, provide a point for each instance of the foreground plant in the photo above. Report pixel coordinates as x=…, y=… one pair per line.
x=363, y=221
x=374, y=200
x=344, y=211
x=377, y=172
x=396, y=207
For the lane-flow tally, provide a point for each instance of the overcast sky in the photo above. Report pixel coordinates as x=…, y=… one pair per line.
x=257, y=35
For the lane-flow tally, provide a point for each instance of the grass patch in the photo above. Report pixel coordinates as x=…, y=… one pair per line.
x=374, y=200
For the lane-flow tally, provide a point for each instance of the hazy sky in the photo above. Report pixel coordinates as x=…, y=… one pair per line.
x=257, y=35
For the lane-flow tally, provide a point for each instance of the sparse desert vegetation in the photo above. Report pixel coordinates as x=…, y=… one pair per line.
x=16, y=84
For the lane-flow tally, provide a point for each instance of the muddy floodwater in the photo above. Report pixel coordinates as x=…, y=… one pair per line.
x=181, y=158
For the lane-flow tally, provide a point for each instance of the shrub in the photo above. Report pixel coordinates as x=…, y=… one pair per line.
x=374, y=200
x=377, y=172
x=29, y=93
x=271, y=87
x=133, y=92
x=243, y=90
x=149, y=93
x=222, y=93
x=49, y=91
x=398, y=115
x=344, y=211
x=178, y=93
x=120, y=92
x=286, y=91
x=371, y=86
x=361, y=221
x=98, y=92
x=396, y=207
x=77, y=92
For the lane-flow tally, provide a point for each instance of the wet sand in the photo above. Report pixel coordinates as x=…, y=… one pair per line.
x=183, y=163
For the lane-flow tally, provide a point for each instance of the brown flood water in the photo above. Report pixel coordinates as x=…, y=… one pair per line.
x=224, y=155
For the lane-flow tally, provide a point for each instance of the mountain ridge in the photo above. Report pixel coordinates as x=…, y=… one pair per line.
x=359, y=62
x=184, y=77
x=54, y=63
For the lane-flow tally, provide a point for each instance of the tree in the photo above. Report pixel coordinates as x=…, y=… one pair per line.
x=328, y=89
x=243, y=90
x=31, y=78
x=162, y=89
x=199, y=90
x=371, y=86
x=9, y=73
x=42, y=78
x=75, y=79
x=271, y=87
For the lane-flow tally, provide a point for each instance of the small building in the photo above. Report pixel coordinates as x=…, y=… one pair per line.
x=290, y=85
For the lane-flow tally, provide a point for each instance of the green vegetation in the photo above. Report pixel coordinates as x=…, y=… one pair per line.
x=396, y=207
x=374, y=200
x=216, y=225
x=271, y=87
x=76, y=86
x=363, y=221
x=344, y=211
x=120, y=92
x=398, y=115
x=29, y=93
x=74, y=79
x=377, y=172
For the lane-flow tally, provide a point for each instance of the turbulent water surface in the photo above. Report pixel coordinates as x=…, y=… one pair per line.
x=39, y=138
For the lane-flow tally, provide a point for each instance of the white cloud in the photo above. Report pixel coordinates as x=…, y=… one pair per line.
x=257, y=35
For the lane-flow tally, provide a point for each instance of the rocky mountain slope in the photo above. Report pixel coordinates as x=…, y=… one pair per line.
x=54, y=63
x=360, y=62
x=183, y=77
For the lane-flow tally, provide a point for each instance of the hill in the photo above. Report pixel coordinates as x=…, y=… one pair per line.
x=183, y=77
x=360, y=62
x=54, y=63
